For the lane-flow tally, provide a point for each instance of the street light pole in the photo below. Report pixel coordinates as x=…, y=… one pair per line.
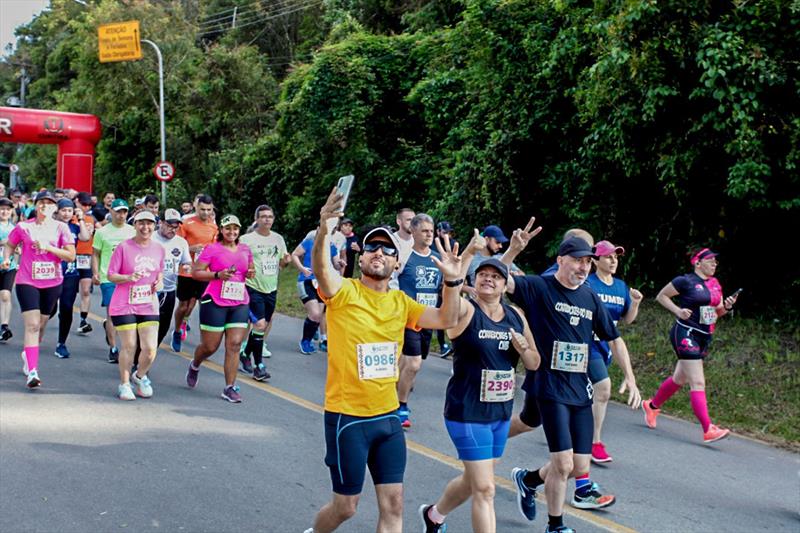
x=161, y=114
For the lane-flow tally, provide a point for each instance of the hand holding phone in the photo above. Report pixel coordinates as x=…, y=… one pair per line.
x=736, y=292
x=343, y=187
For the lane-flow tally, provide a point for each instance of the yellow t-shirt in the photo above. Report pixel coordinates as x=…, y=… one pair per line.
x=365, y=329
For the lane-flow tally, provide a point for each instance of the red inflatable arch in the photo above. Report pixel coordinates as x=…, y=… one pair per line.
x=76, y=136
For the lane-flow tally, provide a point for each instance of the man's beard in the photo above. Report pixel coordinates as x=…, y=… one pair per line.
x=377, y=274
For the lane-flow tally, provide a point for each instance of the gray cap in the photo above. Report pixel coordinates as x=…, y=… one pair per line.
x=144, y=215
x=172, y=216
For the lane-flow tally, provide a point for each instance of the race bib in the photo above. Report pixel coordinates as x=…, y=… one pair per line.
x=268, y=268
x=84, y=261
x=140, y=294
x=377, y=360
x=233, y=290
x=570, y=357
x=708, y=315
x=427, y=299
x=170, y=266
x=43, y=270
x=497, y=385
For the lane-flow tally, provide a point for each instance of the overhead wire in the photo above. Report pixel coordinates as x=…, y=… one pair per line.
x=300, y=6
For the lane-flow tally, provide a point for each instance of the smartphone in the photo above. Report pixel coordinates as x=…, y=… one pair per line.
x=736, y=292
x=343, y=187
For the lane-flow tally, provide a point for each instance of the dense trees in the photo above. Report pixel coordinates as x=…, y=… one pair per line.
x=662, y=125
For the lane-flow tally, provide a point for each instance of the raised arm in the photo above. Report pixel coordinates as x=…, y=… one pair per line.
x=633, y=309
x=520, y=238
x=328, y=279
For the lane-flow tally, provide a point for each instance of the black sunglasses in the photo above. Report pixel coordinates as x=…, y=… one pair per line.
x=371, y=247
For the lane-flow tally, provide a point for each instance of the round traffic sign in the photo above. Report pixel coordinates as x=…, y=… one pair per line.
x=13, y=168
x=164, y=171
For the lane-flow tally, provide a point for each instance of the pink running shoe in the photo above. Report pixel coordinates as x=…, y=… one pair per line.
x=650, y=413
x=183, y=331
x=715, y=433
x=599, y=454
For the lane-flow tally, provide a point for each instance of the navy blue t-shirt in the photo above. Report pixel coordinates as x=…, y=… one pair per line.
x=558, y=314
x=484, y=344
x=694, y=293
x=617, y=299
x=421, y=279
x=70, y=269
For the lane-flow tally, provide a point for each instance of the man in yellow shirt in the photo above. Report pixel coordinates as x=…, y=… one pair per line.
x=365, y=337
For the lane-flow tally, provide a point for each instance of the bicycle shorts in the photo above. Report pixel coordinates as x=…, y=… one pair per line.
x=307, y=292
x=689, y=343
x=262, y=304
x=478, y=441
x=32, y=298
x=129, y=322
x=217, y=318
x=567, y=427
x=417, y=342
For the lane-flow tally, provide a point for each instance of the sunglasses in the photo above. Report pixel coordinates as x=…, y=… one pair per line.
x=387, y=250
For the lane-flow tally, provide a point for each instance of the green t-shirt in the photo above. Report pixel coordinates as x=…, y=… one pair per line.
x=105, y=240
x=267, y=255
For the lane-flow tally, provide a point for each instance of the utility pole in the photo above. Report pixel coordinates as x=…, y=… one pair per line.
x=161, y=114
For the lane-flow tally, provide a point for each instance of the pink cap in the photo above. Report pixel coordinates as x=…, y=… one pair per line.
x=604, y=248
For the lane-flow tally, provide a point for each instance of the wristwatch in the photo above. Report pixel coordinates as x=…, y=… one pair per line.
x=454, y=283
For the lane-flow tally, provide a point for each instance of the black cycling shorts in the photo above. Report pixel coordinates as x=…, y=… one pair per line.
x=190, y=288
x=262, y=304
x=689, y=343
x=45, y=300
x=417, y=342
x=567, y=427
x=128, y=322
x=218, y=318
x=7, y=278
x=530, y=415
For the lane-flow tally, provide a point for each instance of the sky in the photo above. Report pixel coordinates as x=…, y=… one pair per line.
x=14, y=13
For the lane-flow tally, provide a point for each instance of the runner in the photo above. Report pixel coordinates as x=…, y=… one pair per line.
x=563, y=315
x=135, y=268
x=105, y=241
x=223, y=266
x=187, y=208
x=366, y=333
x=700, y=305
x=421, y=280
x=100, y=212
x=351, y=247
x=621, y=303
x=71, y=277
x=7, y=274
x=307, y=290
x=403, y=233
x=490, y=338
x=269, y=256
x=445, y=232
x=45, y=243
x=176, y=258
x=199, y=230
x=83, y=204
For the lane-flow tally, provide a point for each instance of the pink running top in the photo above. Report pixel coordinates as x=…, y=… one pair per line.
x=218, y=257
x=139, y=297
x=38, y=268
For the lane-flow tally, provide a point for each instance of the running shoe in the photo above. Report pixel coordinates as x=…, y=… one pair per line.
x=176, y=341
x=559, y=529
x=526, y=496
x=650, y=413
x=184, y=331
x=33, y=379
x=265, y=353
x=316, y=335
x=5, y=334
x=307, y=347
x=192, y=375
x=405, y=416
x=592, y=499
x=447, y=351
x=231, y=393
x=24, y=362
x=113, y=356
x=84, y=328
x=143, y=386
x=247, y=365
x=428, y=525
x=599, y=454
x=323, y=345
x=260, y=373
x=62, y=352
x=715, y=433
x=125, y=392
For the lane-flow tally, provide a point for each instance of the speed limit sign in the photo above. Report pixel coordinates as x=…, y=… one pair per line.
x=164, y=171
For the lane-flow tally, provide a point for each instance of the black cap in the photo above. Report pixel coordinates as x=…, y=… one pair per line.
x=45, y=195
x=346, y=220
x=5, y=202
x=496, y=264
x=575, y=247
x=65, y=202
x=444, y=226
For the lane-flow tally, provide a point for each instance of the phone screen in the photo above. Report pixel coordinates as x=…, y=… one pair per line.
x=343, y=187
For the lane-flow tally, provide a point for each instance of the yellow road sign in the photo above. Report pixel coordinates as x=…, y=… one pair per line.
x=119, y=41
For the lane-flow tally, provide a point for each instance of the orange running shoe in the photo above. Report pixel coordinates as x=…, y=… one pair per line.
x=650, y=413
x=715, y=433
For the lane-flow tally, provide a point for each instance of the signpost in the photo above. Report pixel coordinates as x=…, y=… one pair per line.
x=119, y=41
x=164, y=171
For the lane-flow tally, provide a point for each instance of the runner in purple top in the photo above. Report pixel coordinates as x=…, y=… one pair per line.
x=224, y=309
x=700, y=303
x=136, y=268
x=44, y=242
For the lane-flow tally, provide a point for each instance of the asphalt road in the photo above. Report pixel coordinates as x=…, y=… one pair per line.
x=74, y=458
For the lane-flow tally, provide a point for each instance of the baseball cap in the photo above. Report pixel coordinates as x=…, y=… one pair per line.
x=138, y=201
x=496, y=264
x=444, y=226
x=495, y=232
x=227, y=220
x=172, y=216
x=705, y=253
x=5, y=202
x=119, y=204
x=346, y=221
x=45, y=195
x=84, y=198
x=65, y=202
x=604, y=248
x=144, y=215
x=384, y=231
x=575, y=247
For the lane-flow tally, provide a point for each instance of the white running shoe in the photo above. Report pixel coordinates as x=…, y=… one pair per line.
x=143, y=386
x=266, y=354
x=125, y=392
x=33, y=379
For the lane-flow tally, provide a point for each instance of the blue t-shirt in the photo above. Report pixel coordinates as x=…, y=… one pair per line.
x=307, y=245
x=551, y=270
x=558, y=314
x=484, y=344
x=421, y=279
x=693, y=293
x=70, y=270
x=5, y=230
x=617, y=299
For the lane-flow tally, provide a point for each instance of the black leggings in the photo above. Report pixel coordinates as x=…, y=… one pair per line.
x=69, y=291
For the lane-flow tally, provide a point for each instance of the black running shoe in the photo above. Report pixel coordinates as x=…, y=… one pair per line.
x=5, y=334
x=113, y=356
x=247, y=365
x=84, y=327
x=428, y=525
x=260, y=373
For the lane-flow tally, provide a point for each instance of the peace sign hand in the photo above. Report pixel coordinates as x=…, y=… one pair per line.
x=521, y=237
